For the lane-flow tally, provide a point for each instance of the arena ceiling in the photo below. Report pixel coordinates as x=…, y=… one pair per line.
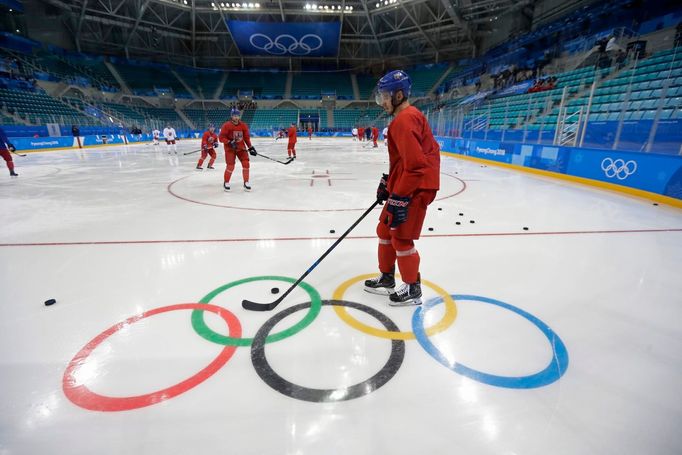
x=373, y=32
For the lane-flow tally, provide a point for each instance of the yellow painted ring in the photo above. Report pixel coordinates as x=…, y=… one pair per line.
x=445, y=322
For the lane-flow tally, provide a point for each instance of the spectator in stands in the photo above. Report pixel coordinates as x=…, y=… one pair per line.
x=678, y=34
x=620, y=58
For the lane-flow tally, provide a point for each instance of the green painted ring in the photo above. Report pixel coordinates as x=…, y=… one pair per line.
x=199, y=324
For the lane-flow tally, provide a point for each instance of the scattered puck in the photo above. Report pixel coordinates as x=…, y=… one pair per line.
x=430, y=229
x=458, y=223
x=332, y=231
x=50, y=302
x=440, y=208
x=525, y=228
x=472, y=221
x=461, y=214
x=655, y=203
x=274, y=290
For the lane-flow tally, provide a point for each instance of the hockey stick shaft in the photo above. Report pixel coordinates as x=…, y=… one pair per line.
x=19, y=154
x=253, y=306
x=193, y=151
x=278, y=161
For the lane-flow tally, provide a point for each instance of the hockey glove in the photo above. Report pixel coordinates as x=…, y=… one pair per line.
x=11, y=147
x=397, y=206
x=252, y=151
x=382, y=192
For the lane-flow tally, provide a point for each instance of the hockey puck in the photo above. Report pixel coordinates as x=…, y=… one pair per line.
x=461, y=214
x=525, y=228
x=332, y=231
x=472, y=221
x=49, y=302
x=655, y=203
x=430, y=229
x=458, y=223
x=274, y=290
x=440, y=208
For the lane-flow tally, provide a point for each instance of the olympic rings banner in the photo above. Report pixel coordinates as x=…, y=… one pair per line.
x=230, y=337
x=291, y=39
x=656, y=173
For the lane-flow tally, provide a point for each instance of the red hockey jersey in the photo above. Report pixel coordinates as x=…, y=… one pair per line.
x=414, y=154
x=238, y=133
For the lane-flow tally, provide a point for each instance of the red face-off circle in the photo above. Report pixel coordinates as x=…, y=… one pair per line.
x=82, y=396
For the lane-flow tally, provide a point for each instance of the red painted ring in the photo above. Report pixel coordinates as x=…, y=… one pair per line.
x=81, y=395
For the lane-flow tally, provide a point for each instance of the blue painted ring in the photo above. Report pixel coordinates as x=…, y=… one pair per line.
x=556, y=368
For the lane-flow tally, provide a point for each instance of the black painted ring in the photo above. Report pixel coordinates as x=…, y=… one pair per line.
x=271, y=378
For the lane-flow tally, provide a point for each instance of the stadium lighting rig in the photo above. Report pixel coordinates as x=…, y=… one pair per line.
x=314, y=7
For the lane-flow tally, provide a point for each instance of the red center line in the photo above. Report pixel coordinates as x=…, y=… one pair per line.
x=359, y=237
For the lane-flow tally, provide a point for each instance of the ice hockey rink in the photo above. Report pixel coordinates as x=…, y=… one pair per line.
x=562, y=338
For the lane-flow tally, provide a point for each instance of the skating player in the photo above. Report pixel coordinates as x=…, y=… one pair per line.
x=5, y=148
x=170, y=136
x=310, y=133
x=234, y=134
x=375, y=136
x=361, y=134
x=281, y=134
x=354, y=132
x=410, y=186
x=155, y=137
x=384, y=133
x=291, y=146
x=208, y=142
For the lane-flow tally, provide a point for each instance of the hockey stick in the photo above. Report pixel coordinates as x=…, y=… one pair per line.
x=194, y=151
x=253, y=306
x=19, y=154
x=289, y=160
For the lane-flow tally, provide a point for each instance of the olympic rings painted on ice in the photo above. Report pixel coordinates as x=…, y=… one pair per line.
x=82, y=396
x=286, y=44
x=78, y=392
x=274, y=380
x=556, y=368
x=447, y=320
x=202, y=329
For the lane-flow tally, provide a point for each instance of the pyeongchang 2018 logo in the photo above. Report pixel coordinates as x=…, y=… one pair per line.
x=618, y=168
x=286, y=44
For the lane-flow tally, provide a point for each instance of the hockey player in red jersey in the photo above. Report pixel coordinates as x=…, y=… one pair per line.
x=208, y=143
x=234, y=134
x=375, y=136
x=409, y=187
x=310, y=133
x=361, y=133
x=5, y=148
x=291, y=146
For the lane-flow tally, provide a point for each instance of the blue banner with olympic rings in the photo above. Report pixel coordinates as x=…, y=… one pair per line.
x=292, y=39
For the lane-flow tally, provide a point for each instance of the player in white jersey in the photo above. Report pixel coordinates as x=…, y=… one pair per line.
x=170, y=136
x=155, y=136
x=354, y=131
x=385, y=134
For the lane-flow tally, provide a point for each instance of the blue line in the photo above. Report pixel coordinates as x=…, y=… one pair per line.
x=556, y=368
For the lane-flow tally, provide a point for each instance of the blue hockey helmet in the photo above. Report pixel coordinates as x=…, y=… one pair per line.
x=391, y=83
x=211, y=126
x=235, y=112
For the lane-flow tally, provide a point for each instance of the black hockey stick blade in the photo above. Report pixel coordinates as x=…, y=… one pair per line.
x=194, y=151
x=255, y=306
x=19, y=154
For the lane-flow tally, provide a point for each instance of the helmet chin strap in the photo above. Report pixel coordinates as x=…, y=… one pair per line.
x=394, y=101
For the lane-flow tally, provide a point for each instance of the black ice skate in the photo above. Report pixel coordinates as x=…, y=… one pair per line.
x=199, y=168
x=247, y=186
x=13, y=174
x=407, y=294
x=210, y=167
x=226, y=186
x=384, y=284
